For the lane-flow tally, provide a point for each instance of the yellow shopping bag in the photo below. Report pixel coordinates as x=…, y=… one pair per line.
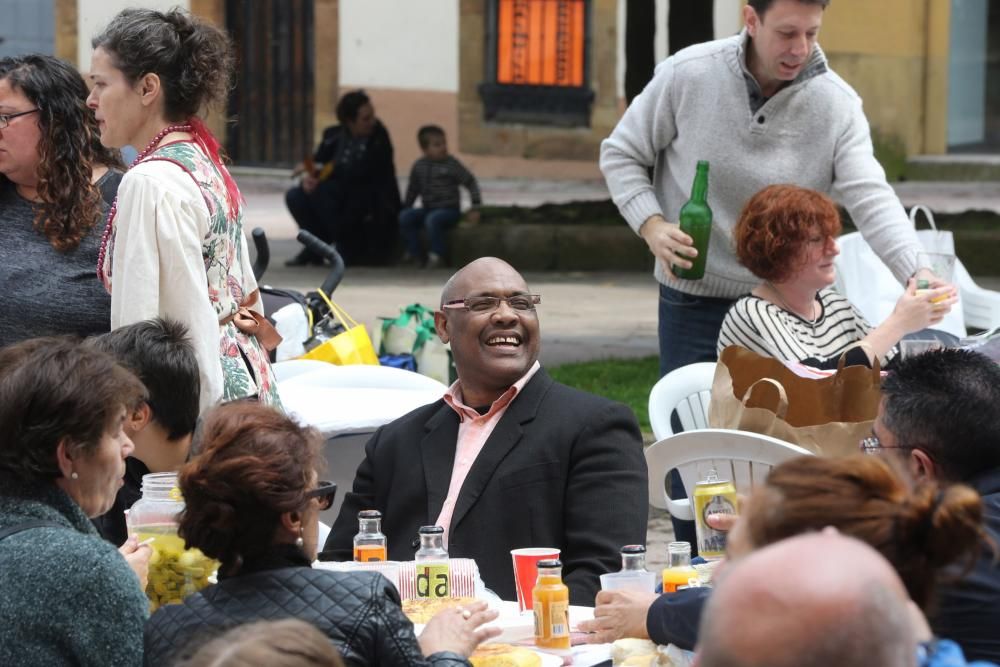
x=353, y=346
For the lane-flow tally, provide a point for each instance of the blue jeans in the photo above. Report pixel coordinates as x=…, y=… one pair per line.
x=689, y=330
x=437, y=221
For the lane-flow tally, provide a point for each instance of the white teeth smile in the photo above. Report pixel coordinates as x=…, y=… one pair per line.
x=503, y=340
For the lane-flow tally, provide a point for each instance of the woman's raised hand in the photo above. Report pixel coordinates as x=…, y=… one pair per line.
x=919, y=309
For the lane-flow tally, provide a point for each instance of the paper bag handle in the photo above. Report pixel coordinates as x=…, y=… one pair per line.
x=337, y=311
x=876, y=363
x=782, y=408
x=918, y=208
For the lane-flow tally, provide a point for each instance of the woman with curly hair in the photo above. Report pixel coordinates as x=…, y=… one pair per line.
x=173, y=246
x=56, y=182
x=786, y=236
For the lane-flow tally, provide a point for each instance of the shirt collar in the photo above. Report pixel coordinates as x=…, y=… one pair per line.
x=453, y=397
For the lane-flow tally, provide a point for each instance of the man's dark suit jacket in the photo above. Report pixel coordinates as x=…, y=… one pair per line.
x=563, y=468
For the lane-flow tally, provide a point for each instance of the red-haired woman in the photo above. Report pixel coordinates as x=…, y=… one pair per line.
x=786, y=236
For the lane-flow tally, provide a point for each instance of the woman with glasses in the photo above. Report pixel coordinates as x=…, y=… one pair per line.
x=173, y=246
x=786, y=236
x=56, y=182
x=252, y=499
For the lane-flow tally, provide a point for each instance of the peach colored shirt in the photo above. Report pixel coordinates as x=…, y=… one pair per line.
x=474, y=430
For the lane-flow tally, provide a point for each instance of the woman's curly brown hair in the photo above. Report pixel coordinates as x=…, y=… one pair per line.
x=254, y=464
x=193, y=58
x=920, y=529
x=68, y=150
x=776, y=223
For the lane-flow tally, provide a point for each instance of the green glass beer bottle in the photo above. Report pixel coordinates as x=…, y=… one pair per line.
x=696, y=222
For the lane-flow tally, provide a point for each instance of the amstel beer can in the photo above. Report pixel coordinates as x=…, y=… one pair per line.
x=712, y=496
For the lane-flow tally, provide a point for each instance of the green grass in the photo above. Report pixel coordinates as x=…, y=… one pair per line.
x=625, y=380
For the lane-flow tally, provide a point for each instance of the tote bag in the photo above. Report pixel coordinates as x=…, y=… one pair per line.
x=870, y=285
x=829, y=416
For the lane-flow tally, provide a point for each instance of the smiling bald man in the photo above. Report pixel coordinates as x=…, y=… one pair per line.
x=509, y=458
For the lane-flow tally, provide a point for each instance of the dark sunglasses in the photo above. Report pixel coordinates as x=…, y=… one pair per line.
x=325, y=491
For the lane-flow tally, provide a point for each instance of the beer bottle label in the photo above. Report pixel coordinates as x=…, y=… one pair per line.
x=432, y=580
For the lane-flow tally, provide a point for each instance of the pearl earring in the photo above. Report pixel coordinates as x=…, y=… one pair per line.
x=299, y=541
x=73, y=475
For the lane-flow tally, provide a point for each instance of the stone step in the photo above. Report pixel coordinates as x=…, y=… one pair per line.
x=953, y=168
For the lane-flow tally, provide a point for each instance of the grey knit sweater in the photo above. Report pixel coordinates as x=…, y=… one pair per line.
x=67, y=597
x=812, y=133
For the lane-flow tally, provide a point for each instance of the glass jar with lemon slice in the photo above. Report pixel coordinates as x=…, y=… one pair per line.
x=174, y=572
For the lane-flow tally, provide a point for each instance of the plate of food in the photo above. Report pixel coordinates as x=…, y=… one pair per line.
x=508, y=655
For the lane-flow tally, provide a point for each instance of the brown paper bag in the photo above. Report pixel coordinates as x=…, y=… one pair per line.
x=760, y=394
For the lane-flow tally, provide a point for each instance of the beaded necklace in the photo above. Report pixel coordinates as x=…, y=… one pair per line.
x=106, y=236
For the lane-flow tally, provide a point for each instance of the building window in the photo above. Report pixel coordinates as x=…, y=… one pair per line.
x=537, y=64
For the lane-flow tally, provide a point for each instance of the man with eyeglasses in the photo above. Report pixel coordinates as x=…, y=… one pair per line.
x=940, y=419
x=508, y=458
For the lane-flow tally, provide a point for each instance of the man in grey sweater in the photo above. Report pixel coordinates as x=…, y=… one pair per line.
x=762, y=107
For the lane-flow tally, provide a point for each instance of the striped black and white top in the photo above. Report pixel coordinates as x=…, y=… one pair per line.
x=436, y=183
x=768, y=329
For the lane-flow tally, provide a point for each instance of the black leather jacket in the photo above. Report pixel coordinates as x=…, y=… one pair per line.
x=358, y=611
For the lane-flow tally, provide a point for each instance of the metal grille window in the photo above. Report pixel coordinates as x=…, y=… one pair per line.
x=538, y=62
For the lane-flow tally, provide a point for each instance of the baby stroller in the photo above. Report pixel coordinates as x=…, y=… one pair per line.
x=344, y=403
x=303, y=320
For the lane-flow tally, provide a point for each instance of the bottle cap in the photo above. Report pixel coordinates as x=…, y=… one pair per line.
x=545, y=564
x=633, y=549
x=369, y=514
x=431, y=530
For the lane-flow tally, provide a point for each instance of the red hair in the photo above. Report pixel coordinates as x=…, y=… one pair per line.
x=774, y=225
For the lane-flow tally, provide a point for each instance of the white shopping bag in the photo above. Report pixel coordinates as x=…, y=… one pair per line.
x=870, y=285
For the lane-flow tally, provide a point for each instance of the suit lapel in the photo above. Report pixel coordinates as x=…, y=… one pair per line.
x=505, y=436
x=437, y=451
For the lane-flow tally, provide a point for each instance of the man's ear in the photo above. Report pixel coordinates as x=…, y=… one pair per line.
x=138, y=419
x=922, y=466
x=750, y=20
x=149, y=88
x=441, y=326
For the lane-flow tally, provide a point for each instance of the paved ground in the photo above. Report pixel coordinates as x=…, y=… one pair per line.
x=584, y=316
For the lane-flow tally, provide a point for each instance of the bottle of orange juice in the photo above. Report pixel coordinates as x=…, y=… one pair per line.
x=369, y=543
x=680, y=573
x=550, y=600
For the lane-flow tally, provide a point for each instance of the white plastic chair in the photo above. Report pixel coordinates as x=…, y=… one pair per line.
x=981, y=306
x=743, y=457
x=687, y=390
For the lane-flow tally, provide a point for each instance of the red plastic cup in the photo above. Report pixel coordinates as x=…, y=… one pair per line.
x=526, y=571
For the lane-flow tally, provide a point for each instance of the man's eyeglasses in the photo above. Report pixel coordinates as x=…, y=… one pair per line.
x=325, y=492
x=5, y=118
x=487, y=304
x=872, y=445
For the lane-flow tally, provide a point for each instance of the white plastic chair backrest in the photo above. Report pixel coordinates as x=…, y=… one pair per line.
x=362, y=375
x=740, y=456
x=284, y=370
x=981, y=306
x=688, y=390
